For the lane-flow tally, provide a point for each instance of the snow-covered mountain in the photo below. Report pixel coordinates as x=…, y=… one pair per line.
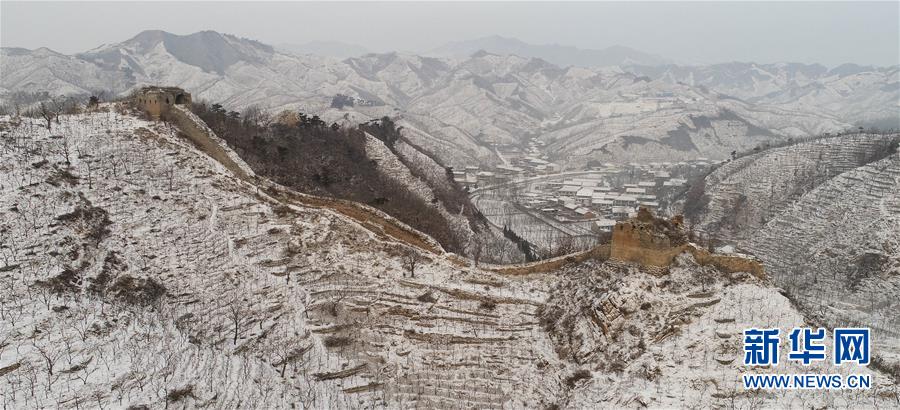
x=860, y=94
x=562, y=56
x=334, y=49
x=458, y=108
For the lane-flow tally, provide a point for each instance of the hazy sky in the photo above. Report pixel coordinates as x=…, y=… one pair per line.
x=825, y=32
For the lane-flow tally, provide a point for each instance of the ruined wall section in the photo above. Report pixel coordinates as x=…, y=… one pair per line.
x=656, y=242
x=634, y=242
x=157, y=101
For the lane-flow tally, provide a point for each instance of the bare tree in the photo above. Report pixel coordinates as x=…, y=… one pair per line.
x=90, y=173
x=410, y=261
x=236, y=310
x=65, y=148
x=46, y=113
x=476, y=250
x=50, y=110
x=170, y=176
x=50, y=358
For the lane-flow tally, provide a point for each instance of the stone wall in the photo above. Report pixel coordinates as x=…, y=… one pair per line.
x=200, y=136
x=728, y=263
x=651, y=241
x=150, y=104
x=599, y=252
x=648, y=240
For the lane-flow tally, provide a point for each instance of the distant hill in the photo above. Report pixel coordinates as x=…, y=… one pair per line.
x=563, y=56
x=334, y=49
x=209, y=50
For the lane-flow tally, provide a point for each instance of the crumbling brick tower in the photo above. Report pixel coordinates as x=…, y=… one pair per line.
x=157, y=100
x=652, y=241
x=648, y=240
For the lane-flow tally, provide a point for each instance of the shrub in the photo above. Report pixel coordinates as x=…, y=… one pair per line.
x=178, y=394
x=136, y=291
x=68, y=281
x=579, y=375
x=427, y=297
x=92, y=221
x=309, y=156
x=487, y=305
x=337, y=341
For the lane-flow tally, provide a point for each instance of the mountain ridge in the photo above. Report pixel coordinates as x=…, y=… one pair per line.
x=555, y=53
x=461, y=108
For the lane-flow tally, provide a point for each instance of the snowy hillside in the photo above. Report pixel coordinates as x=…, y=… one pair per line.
x=847, y=91
x=741, y=196
x=139, y=271
x=458, y=108
x=837, y=250
x=672, y=341
x=822, y=215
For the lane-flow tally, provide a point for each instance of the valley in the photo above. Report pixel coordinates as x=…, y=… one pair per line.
x=203, y=220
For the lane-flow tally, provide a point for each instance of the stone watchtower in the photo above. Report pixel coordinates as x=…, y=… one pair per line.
x=157, y=100
x=648, y=240
x=652, y=241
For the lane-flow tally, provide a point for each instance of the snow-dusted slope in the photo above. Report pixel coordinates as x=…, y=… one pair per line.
x=392, y=166
x=837, y=250
x=429, y=180
x=744, y=194
x=45, y=70
x=675, y=341
x=128, y=265
x=138, y=271
x=823, y=217
x=89, y=246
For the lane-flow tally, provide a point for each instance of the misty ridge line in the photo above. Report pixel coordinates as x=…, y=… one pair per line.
x=608, y=112
x=560, y=55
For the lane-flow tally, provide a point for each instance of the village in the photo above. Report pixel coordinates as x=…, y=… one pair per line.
x=548, y=204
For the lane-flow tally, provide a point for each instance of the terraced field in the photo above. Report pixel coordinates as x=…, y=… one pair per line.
x=137, y=270
x=433, y=342
x=744, y=194
x=837, y=250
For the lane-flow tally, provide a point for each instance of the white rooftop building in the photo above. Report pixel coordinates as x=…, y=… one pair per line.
x=585, y=192
x=605, y=225
x=624, y=200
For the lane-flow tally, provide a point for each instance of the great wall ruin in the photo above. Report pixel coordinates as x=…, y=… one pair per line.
x=645, y=239
x=655, y=242
x=649, y=241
